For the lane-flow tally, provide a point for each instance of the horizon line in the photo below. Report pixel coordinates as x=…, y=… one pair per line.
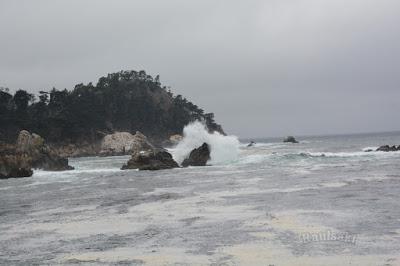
x=323, y=135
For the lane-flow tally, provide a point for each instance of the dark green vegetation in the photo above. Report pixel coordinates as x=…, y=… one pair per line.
x=123, y=101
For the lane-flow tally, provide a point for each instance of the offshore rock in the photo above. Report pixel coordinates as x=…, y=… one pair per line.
x=290, y=139
x=251, y=144
x=153, y=159
x=387, y=148
x=27, y=142
x=146, y=157
x=39, y=154
x=198, y=157
x=13, y=164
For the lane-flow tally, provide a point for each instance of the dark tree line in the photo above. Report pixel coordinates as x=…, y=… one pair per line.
x=122, y=101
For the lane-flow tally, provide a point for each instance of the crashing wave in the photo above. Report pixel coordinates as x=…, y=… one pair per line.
x=223, y=149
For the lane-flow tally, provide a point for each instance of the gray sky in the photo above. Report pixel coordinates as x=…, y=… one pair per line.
x=265, y=68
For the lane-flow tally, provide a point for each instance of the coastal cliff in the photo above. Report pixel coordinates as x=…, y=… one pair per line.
x=75, y=123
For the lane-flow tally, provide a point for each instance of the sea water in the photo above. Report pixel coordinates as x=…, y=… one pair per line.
x=324, y=201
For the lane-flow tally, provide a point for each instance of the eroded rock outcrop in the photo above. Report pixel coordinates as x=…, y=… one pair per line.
x=251, y=144
x=198, y=157
x=14, y=164
x=118, y=143
x=30, y=151
x=41, y=155
x=146, y=157
x=387, y=148
x=122, y=143
x=290, y=139
x=153, y=159
x=141, y=143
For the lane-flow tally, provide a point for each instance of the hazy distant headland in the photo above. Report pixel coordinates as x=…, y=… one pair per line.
x=124, y=101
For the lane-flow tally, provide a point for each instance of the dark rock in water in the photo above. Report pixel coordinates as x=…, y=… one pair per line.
x=146, y=157
x=198, y=157
x=251, y=144
x=387, y=148
x=290, y=139
x=41, y=155
x=153, y=159
x=14, y=164
x=30, y=151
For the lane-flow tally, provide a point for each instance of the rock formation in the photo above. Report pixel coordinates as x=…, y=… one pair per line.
x=153, y=159
x=28, y=143
x=141, y=143
x=198, y=157
x=41, y=156
x=146, y=157
x=290, y=139
x=121, y=143
x=124, y=101
x=251, y=144
x=118, y=143
x=387, y=148
x=13, y=164
x=30, y=151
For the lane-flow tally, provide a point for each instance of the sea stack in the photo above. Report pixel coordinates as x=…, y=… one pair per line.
x=198, y=157
x=387, y=148
x=13, y=164
x=146, y=157
x=155, y=159
x=290, y=139
x=251, y=144
x=29, y=152
x=41, y=156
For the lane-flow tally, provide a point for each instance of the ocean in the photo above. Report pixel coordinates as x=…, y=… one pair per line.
x=324, y=201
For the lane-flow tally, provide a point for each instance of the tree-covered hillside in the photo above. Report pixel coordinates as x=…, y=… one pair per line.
x=123, y=101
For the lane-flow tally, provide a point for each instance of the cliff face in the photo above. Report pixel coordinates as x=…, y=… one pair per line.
x=127, y=101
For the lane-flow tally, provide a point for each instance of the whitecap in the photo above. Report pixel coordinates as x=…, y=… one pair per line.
x=223, y=149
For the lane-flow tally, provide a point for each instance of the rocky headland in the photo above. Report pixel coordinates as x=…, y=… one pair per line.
x=101, y=119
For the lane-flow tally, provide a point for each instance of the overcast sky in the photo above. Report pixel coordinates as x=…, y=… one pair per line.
x=265, y=68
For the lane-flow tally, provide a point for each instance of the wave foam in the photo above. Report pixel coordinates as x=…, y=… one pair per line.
x=223, y=149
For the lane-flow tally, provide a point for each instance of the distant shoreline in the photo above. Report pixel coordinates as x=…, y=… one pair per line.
x=280, y=138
